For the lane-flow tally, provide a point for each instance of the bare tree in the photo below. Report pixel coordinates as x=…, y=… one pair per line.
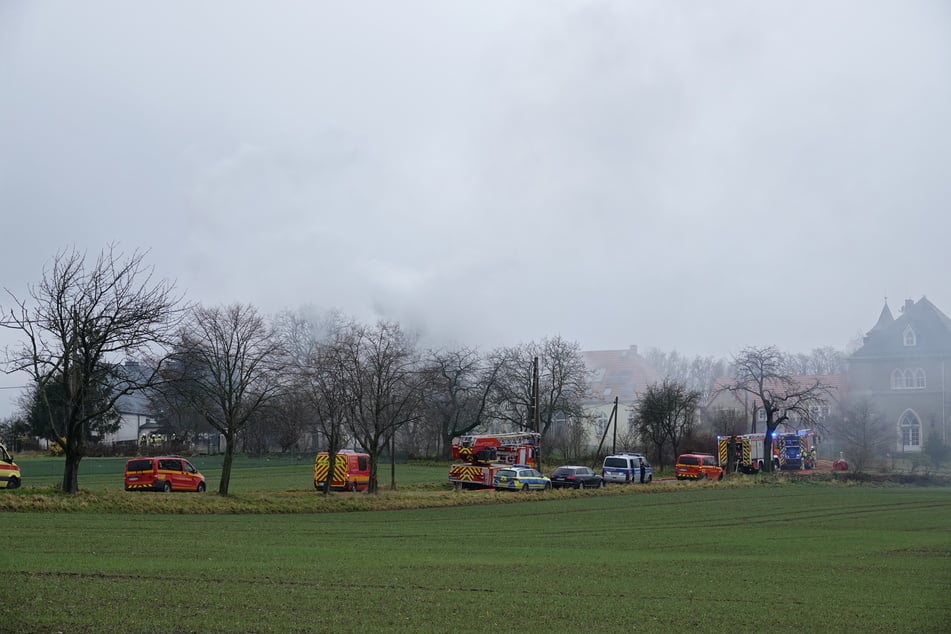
x=760, y=372
x=861, y=432
x=698, y=374
x=727, y=422
x=290, y=420
x=457, y=386
x=666, y=413
x=821, y=361
x=379, y=366
x=318, y=349
x=570, y=440
x=230, y=365
x=562, y=385
x=83, y=319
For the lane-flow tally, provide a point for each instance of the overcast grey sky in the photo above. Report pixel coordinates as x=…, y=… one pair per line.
x=689, y=176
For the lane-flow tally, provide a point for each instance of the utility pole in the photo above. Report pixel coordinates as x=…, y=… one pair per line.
x=614, y=416
x=536, y=422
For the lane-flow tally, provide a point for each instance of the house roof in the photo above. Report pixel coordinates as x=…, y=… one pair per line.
x=885, y=319
x=932, y=330
x=617, y=373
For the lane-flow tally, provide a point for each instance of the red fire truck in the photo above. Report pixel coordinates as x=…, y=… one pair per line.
x=476, y=458
x=746, y=452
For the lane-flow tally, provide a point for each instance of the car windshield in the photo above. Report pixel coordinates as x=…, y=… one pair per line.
x=689, y=460
x=563, y=471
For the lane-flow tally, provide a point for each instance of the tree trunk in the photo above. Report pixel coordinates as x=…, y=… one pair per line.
x=226, y=465
x=373, y=485
x=768, y=450
x=71, y=472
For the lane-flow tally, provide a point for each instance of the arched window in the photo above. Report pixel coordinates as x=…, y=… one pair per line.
x=909, y=379
x=910, y=427
x=909, y=337
x=898, y=380
x=920, y=381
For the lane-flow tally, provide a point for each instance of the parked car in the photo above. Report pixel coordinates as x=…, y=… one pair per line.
x=627, y=467
x=520, y=479
x=162, y=473
x=576, y=477
x=697, y=466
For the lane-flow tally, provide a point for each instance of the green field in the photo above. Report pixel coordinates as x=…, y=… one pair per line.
x=717, y=557
x=292, y=472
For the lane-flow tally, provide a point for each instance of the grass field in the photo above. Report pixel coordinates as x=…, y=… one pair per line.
x=292, y=472
x=737, y=556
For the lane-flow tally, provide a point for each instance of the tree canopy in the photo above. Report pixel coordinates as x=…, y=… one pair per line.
x=78, y=324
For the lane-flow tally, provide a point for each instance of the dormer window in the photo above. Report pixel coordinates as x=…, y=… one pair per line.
x=910, y=338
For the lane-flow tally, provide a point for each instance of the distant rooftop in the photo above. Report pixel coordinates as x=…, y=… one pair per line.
x=618, y=373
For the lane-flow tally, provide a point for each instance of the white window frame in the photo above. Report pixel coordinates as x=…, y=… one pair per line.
x=909, y=338
x=909, y=429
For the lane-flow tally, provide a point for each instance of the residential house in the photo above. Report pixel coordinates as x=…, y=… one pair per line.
x=615, y=374
x=135, y=411
x=902, y=370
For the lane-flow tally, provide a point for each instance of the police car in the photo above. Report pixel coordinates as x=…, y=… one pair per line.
x=520, y=479
x=627, y=467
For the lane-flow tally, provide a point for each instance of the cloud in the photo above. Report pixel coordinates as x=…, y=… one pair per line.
x=651, y=173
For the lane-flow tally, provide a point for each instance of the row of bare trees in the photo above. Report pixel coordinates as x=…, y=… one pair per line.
x=236, y=372
x=233, y=370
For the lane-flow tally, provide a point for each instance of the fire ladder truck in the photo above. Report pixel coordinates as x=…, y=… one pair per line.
x=476, y=458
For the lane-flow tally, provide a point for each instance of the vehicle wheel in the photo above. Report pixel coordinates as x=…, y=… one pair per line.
x=548, y=486
x=525, y=487
x=201, y=487
x=650, y=478
x=702, y=476
x=720, y=477
x=581, y=485
x=600, y=484
x=458, y=486
x=13, y=483
x=167, y=488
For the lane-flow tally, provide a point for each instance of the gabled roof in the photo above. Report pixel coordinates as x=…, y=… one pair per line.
x=618, y=373
x=932, y=330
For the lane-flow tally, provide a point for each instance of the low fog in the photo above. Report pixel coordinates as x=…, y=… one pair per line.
x=675, y=175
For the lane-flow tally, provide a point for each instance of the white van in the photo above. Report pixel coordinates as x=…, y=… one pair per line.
x=627, y=467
